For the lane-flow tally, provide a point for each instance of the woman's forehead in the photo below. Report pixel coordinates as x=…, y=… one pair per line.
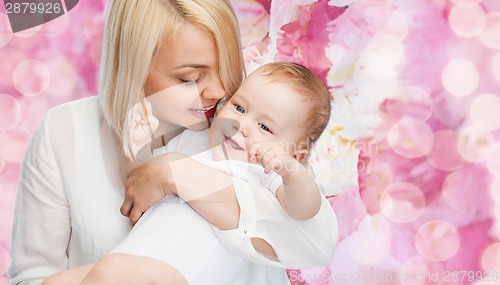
x=190, y=47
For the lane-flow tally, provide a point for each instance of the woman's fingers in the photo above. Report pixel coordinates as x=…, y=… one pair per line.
x=126, y=207
x=135, y=215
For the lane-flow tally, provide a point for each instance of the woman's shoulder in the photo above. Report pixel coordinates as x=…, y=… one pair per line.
x=83, y=116
x=88, y=106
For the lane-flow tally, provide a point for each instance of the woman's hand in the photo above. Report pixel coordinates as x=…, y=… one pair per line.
x=146, y=185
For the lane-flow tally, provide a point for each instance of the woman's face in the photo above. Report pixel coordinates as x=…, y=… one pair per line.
x=183, y=85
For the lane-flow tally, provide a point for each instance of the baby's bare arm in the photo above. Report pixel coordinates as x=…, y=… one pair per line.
x=299, y=195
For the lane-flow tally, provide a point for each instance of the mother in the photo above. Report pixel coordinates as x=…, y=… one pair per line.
x=72, y=180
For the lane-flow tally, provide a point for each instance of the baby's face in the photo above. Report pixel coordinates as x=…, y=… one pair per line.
x=260, y=111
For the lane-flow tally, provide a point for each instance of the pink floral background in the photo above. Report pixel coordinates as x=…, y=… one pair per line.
x=412, y=152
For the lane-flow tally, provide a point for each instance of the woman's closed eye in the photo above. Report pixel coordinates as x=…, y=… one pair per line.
x=191, y=81
x=265, y=128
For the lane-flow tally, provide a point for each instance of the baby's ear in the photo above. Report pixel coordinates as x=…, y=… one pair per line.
x=300, y=155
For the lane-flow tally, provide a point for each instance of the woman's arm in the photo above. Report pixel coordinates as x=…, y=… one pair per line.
x=207, y=190
x=41, y=229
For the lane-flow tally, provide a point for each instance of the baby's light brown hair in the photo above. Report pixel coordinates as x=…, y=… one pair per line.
x=307, y=84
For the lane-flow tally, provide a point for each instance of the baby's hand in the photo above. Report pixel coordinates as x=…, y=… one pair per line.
x=273, y=156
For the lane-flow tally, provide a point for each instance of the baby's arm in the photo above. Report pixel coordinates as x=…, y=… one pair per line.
x=299, y=194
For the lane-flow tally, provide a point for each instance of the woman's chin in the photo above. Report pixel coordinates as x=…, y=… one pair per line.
x=198, y=126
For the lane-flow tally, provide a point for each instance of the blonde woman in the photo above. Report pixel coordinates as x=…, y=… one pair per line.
x=72, y=179
x=72, y=182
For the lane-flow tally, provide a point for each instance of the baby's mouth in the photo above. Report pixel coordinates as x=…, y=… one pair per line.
x=231, y=144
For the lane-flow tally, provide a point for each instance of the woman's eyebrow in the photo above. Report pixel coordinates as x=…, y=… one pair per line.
x=192, y=65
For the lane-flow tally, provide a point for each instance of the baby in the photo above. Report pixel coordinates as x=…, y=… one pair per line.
x=262, y=136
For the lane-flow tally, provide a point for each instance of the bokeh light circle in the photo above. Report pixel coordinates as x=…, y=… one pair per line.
x=493, y=162
x=31, y=77
x=496, y=66
x=10, y=112
x=490, y=259
x=379, y=176
x=402, y=202
x=14, y=143
x=490, y=36
x=63, y=86
x=467, y=19
x=460, y=77
x=34, y=108
x=475, y=144
x=10, y=60
x=437, y=240
x=410, y=138
x=456, y=192
x=484, y=111
x=56, y=27
x=444, y=154
x=411, y=101
x=495, y=189
x=93, y=26
x=95, y=51
x=417, y=269
x=398, y=24
x=369, y=243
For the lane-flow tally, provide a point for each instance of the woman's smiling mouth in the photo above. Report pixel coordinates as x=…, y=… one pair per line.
x=206, y=112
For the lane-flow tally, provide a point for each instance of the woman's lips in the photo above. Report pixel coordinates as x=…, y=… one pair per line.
x=210, y=113
x=204, y=113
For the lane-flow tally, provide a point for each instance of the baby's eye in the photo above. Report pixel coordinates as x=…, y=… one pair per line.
x=239, y=109
x=265, y=128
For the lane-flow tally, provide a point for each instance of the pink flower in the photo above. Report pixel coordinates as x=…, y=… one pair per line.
x=304, y=40
x=253, y=19
x=350, y=211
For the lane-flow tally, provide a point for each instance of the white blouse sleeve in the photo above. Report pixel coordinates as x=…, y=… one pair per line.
x=41, y=229
x=298, y=244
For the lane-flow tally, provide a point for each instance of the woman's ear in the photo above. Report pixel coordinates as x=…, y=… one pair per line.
x=300, y=155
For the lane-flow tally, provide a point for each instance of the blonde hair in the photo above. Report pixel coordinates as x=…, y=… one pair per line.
x=134, y=33
x=307, y=84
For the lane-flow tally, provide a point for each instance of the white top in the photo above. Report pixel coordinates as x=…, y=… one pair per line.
x=298, y=244
x=70, y=192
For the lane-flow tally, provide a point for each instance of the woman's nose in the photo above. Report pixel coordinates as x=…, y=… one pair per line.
x=213, y=91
